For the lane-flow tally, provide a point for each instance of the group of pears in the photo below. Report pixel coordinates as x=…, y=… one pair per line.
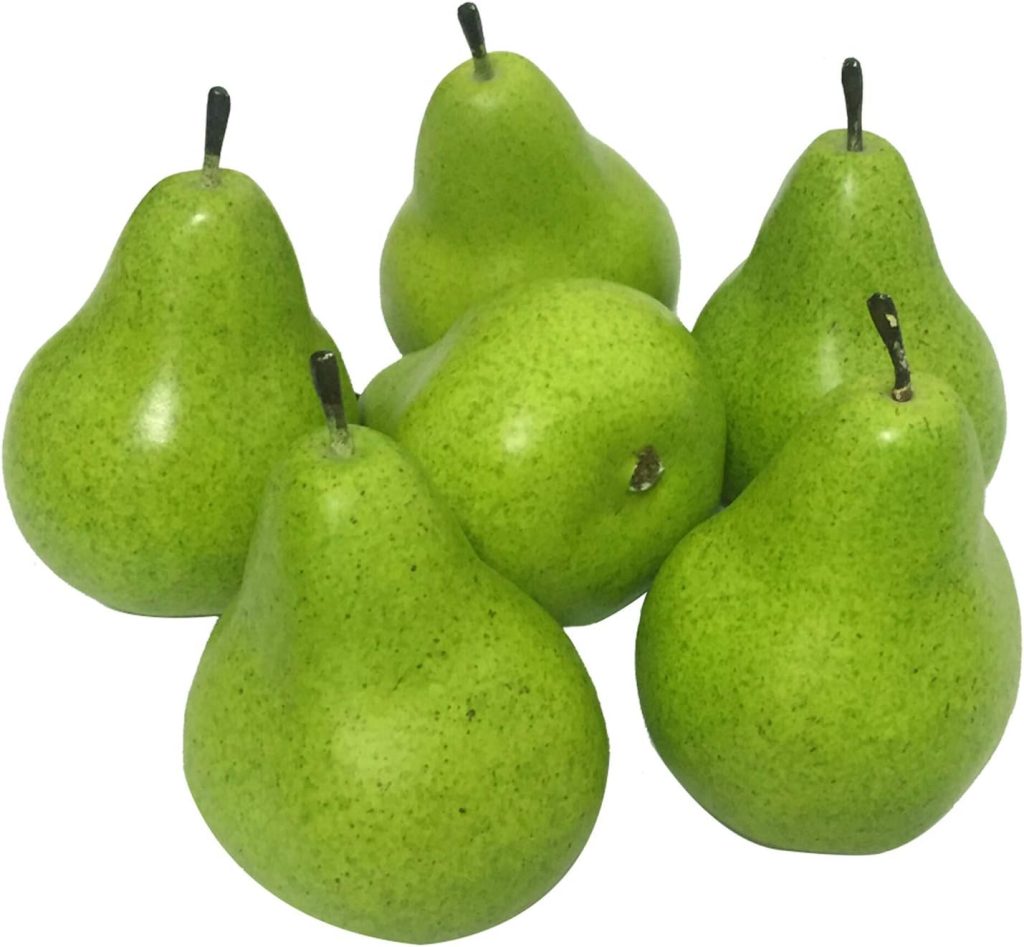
x=389, y=728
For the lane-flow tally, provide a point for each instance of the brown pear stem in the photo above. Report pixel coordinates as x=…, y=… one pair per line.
x=218, y=108
x=323, y=366
x=473, y=30
x=647, y=472
x=853, y=92
x=887, y=323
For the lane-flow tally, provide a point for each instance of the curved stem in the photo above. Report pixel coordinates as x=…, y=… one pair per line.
x=853, y=91
x=887, y=323
x=323, y=365
x=473, y=30
x=218, y=108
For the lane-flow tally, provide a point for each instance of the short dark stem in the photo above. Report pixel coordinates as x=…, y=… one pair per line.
x=853, y=90
x=473, y=30
x=218, y=108
x=887, y=323
x=647, y=472
x=323, y=366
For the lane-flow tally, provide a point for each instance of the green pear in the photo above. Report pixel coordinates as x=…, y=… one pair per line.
x=828, y=664
x=140, y=436
x=382, y=730
x=575, y=431
x=509, y=187
x=783, y=329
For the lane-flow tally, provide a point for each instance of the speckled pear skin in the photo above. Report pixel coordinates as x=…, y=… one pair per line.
x=382, y=730
x=828, y=664
x=786, y=327
x=528, y=417
x=140, y=436
x=508, y=188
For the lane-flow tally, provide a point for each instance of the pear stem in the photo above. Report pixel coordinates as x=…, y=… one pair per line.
x=887, y=323
x=647, y=472
x=473, y=30
x=218, y=108
x=853, y=91
x=323, y=365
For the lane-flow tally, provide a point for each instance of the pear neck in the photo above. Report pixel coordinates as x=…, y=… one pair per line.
x=371, y=527
x=504, y=152
x=869, y=478
x=228, y=244
x=841, y=210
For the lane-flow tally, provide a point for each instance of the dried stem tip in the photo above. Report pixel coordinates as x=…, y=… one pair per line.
x=887, y=323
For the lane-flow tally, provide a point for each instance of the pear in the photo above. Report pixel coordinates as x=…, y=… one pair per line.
x=382, y=730
x=509, y=187
x=140, y=436
x=782, y=330
x=575, y=431
x=828, y=664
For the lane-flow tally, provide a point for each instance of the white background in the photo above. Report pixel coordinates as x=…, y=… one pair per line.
x=712, y=102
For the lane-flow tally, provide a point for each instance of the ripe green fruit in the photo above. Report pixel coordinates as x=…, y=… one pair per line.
x=575, y=431
x=140, y=436
x=382, y=730
x=509, y=188
x=828, y=664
